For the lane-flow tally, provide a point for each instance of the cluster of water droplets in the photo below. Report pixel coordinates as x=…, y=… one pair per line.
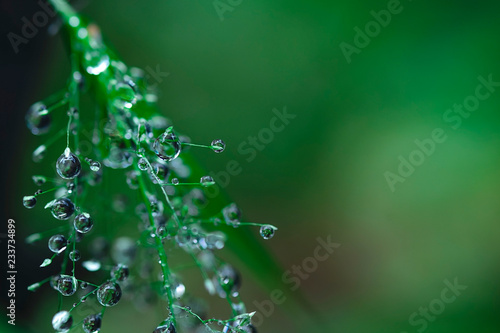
x=130, y=136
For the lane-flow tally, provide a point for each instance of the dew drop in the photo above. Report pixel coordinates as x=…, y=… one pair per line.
x=207, y=181
x=175, y=181
x=142, y=164
x=83, y=223
x=228, y=282
x=232, y=214
x=38, y=119
x=167, y=145
x=96, y=61
x=132, y=179
x=62, y=321
x=57, y=243
x=39, y=153
x=92, y=265
x=92, y=323
x=67, y=285
x=109, y=294
x=124, y=95
x=68, y=165
x=39, y=180
x=218, y=146
x=94, y=165
x=267, y=231
x=120, y=272
x=75, y=255
x=29, y=201
x=61, y=208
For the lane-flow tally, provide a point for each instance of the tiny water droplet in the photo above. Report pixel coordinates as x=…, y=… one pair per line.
x=267, y=231
x=57, y=243
x=218, y=146
x=167, y=145
x=68, y=165
x=120, y=272
x=109, y=293
x=142, y=164
x=232, y=214
x=46, y=262
x=39, y=153
x=75, y=255
x=83, y=223
x=94, y=165
x=38, y=119
x=175, y=181
x=227, y=280
x=29, y=201
x=62, y=321
x=39, y=180
x=207, y=181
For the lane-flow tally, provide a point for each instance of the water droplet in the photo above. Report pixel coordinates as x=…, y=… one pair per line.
x=175, y=181
x=124, y=250
x=94, y=165
x=167, y=145
x=142, y=164
x=109, y=293
x=75, y=255
x=215, y=240
x=96, y=61
x=267, y=231
x=38, y=119
x=92, y=265
x=166, y=326
x=29, y=201
x=232, y=214
x=218, y=146
x=132, y=179
x=67, y=285
x=160, y=170
x=119, y=157
x=61, y=208
x=120, y=272
x=57, y=243
x=68, y=165
x=62, y=321
x=207, y=181
x=39, y=153
x=124, y=95
x=39, y=180
x=227, y=280
x=178, y=288
x=83, y=223
x=92, y=323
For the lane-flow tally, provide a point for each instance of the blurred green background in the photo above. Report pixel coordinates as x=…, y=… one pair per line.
x=324, y=173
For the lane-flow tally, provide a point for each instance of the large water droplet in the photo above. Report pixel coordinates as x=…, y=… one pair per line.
x=167, y=145
x=166, y=326
x=38, y=119
x=92, y=323
x=218, y=146
x=61, y=208
x=267, y=231
x=67, y=285
x=29, y=201
x=62, y=321
x=57, y=243
x=109, y=294
x=83, y=223
x=68, y=165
